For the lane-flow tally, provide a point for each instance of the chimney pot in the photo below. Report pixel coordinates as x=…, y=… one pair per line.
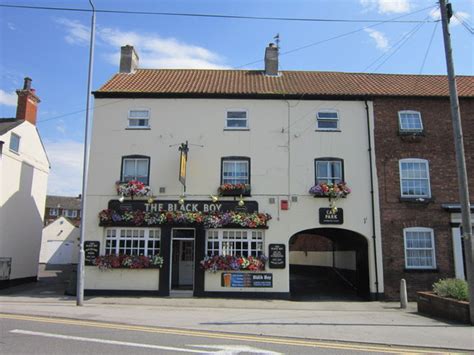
x=27, y=84
x=271, y=60
x=128, y=59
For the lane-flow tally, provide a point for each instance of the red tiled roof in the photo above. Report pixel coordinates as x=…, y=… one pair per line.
x=194, y=82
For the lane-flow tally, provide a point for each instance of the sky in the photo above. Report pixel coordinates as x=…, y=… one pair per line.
x=52, y=47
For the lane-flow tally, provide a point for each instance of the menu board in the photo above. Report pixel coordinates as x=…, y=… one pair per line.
x=277, y=256
x=91, y=251
x=246, y=280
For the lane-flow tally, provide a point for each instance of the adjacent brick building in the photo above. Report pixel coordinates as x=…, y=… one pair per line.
x=433, y=143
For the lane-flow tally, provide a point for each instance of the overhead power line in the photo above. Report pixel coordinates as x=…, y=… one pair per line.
x=420, y=23
x=184, y=14
x=465, y=23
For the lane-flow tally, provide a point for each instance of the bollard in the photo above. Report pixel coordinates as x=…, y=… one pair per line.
x=403, y=294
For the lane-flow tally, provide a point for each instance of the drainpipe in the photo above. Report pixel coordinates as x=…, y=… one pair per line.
x=372, y=200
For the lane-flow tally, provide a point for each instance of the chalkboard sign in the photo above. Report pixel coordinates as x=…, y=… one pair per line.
x=328, y=216
x=91, y=251
x=246, y=280
x=277, y=256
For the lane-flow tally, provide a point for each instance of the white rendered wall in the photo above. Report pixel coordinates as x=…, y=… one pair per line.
x=122, y=279
x=23, y=184
x=201, y=122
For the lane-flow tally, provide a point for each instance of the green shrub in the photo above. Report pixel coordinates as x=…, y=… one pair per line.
x=452, y=288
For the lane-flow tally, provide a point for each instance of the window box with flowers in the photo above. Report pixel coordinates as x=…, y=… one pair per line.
x=107, y=262
x=133, y=188
x=333, y=191
x=139, y=218
x=233, y=263
x=234, y=190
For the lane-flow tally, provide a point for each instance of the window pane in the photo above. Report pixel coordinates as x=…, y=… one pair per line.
x=410, y=121
x=15, y=142
x=235, y=172
x=139, y=114
x=237, y=114
x=322, y=169
x=414, y=178
x=327, y=115
x=237, y=123
x=327, y=124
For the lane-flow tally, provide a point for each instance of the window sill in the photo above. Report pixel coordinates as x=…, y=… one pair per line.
x=327, y=130
x=14, y=152
x=417, y=200
x=411, y=133
x=138, y=128
x=435, y=270
x=236, y=129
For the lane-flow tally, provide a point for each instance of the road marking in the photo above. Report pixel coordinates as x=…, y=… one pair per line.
x=105, y=341
x=210, y=334
x=236, y=349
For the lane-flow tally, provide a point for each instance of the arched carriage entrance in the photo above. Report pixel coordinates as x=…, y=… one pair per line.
x=329, y=264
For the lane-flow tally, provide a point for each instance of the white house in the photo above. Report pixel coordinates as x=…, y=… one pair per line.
x=60, y=242
x=24, y=170
x=277, y=132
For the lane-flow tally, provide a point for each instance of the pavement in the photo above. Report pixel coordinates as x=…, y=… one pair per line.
x=346, y=321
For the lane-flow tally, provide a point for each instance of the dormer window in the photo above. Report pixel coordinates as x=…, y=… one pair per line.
x=410, y=122
x=139, y=118
x=327, y=120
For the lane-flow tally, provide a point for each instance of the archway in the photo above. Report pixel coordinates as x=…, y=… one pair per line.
x=329, y=264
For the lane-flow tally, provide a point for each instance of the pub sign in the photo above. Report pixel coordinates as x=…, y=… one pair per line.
x=329, y=216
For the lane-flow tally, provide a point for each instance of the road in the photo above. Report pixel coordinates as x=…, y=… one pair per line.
x=21, y=334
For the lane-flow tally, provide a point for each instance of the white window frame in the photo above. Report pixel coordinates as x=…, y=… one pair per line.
x=225, y=160
x=221, y=238
x=53, y=212
x=136, y=176
x=117, y=237
x=414, y=160
x=129, y=125
x=413, y=130
x=330, y=179
x=337, y=120
x=15, y=149
x=227, y=127
x=70, y=213
x=433, y=247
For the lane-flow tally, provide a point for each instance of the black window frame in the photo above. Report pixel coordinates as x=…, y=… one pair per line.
x=328, y=159
x=135, y=156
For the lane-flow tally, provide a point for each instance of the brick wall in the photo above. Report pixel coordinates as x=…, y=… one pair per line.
x=437, y=146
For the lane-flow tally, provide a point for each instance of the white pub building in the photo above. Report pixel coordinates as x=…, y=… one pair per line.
x=232, y=183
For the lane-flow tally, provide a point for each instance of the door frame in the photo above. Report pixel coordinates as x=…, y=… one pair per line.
x=172, y=238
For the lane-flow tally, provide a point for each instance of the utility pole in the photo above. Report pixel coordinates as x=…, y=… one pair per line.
x=81, y=261
x=460, y=157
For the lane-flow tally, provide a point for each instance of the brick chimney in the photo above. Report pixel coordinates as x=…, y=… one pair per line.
x=27, y=103
x=271, y=60
x=128, y=59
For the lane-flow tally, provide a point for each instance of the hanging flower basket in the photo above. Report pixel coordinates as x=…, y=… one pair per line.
x=138, y=218
x=233, y=263
x=234, y=190
x=106, y=262
x=132, y=188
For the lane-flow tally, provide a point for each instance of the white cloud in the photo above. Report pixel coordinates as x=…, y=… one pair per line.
x=11, y=26
x=61, y=127
x=387, y=6
x=436, y=15
x=381, y=41
x=76, y=32
x=154, y=50
x=8, y=98
x=66, y=167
